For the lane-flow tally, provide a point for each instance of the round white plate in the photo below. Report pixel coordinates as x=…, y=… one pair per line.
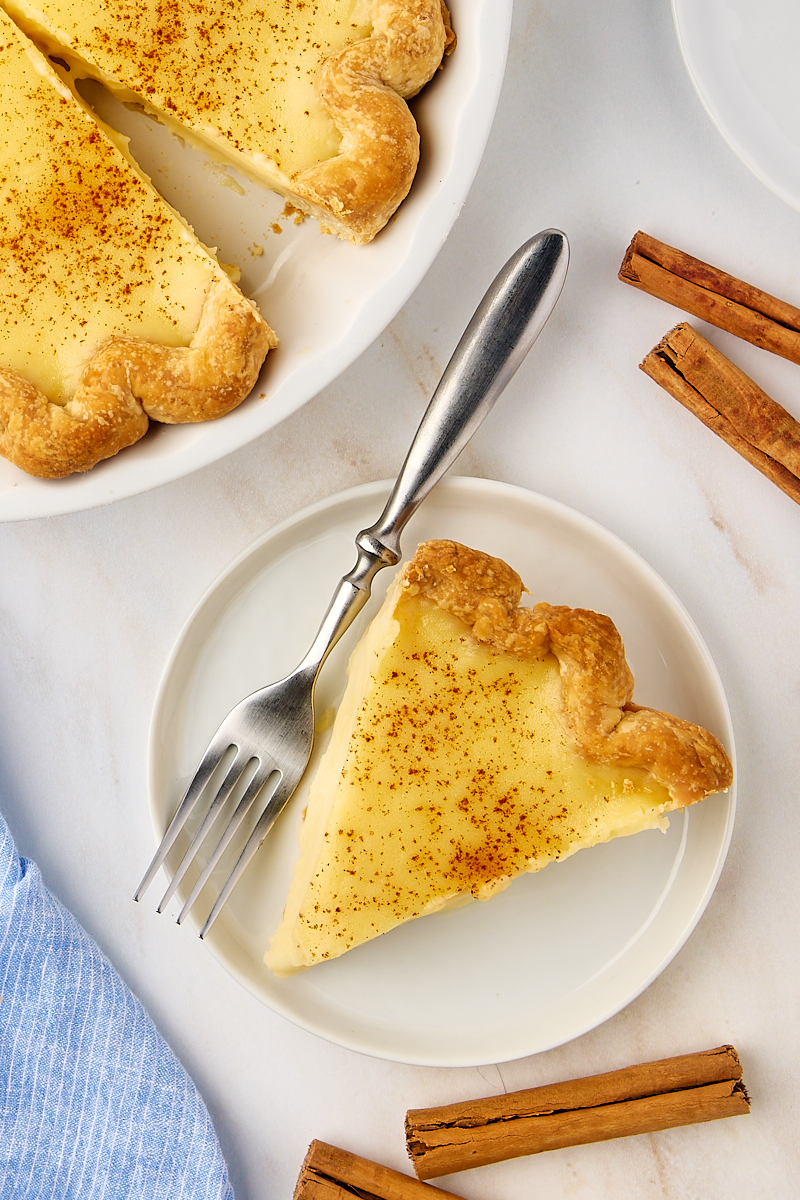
x=743, y=60
x=558, y=952
x=327, y=300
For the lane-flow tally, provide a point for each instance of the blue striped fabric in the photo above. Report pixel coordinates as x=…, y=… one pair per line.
x=93, y=1103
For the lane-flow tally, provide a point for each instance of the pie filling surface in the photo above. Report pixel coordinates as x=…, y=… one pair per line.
x=456, y=761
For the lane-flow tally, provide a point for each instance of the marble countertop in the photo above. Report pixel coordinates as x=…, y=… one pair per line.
x=600, y=133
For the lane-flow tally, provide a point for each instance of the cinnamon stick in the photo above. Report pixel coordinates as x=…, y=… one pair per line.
x=712, y=295
x=638, y=1099
x=730, y=403
x=329, y=1173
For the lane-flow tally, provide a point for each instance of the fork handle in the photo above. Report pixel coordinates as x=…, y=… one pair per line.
x=507, y=322
x=502, y=331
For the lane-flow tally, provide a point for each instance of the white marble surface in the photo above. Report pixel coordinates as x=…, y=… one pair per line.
x=600, y=133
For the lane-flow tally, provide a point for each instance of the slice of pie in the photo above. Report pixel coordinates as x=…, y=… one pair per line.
x=307, y=98
x=476, y=740
x=111, y=311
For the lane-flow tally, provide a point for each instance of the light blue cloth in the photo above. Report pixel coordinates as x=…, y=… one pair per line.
x=93, y=1103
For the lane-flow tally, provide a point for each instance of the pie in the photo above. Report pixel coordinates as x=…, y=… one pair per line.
x=111, y=312
x=476, y=740
x=305, y=96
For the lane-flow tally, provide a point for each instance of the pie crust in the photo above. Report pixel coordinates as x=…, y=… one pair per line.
x=476, y=740
x=129, y=381
x=364, y=88
x=597, y=683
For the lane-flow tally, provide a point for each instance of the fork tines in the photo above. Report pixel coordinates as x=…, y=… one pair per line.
x=235, y=773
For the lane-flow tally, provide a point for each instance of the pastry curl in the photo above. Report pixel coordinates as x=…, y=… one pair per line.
x=597, y=687
x=129, y=381
x=364, y=88
x=597, y=683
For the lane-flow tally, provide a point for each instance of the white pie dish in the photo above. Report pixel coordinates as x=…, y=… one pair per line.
x=326, y=299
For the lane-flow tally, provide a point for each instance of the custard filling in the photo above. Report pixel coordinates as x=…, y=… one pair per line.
x=71, y=196
x=453, y=772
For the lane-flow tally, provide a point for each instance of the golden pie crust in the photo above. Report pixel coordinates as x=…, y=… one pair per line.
x=365, y=88
x=129, y=381
x=235, y=79
x=597, y=683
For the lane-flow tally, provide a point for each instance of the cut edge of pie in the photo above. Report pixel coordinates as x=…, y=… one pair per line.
x=667, y=762
x=364, y=87
x=130, y=380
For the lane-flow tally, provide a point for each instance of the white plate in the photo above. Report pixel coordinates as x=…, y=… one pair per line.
x=558, y=952
x=327, y=300
x=743, y=60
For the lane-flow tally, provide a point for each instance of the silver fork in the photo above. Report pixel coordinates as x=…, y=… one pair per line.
x=272, y=731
